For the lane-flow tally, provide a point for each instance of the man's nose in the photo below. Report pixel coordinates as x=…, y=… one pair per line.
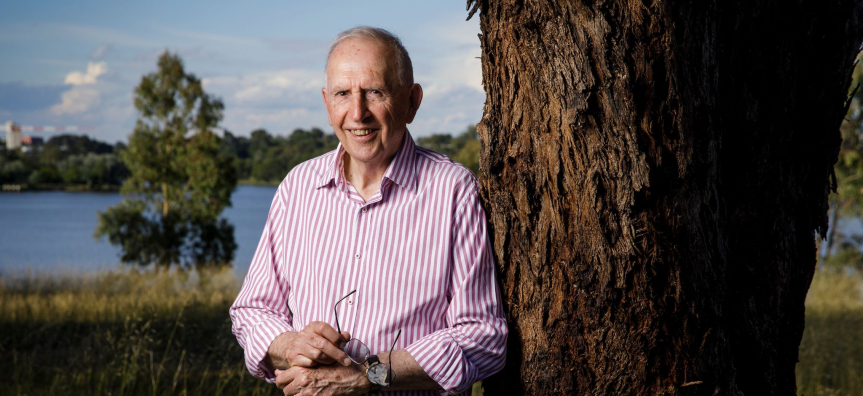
x=359, y=108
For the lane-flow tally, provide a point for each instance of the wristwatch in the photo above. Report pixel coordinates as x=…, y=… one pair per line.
x=377, y=373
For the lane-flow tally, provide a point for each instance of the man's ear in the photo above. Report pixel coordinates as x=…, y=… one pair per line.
x=414, y=101
x=327, y=105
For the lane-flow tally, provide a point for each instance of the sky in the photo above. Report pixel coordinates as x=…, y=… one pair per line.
x=77, y=63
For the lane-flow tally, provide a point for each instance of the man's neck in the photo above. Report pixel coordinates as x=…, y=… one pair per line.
x=366, y=178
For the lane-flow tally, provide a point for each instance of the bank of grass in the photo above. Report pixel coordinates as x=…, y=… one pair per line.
x=121, y=333
x=124, y=332
x=831, y=352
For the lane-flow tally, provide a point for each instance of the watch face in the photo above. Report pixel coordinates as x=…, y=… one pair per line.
x=379, y=374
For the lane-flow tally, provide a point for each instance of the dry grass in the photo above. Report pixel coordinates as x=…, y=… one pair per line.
x=121, y=333
x=130, y=333
x=831, y=352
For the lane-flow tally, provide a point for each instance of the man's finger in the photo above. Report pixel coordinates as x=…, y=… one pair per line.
x=328, y=353
x=301, y=360
x=318, y=355
x=325, y=330
x=296, y=383
x=284, y=378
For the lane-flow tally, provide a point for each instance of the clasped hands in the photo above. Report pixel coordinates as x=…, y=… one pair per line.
x=316, y=364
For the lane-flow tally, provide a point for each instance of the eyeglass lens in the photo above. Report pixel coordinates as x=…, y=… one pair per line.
x=357, y=351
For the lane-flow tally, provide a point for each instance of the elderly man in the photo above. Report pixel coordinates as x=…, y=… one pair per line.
x=374, y=270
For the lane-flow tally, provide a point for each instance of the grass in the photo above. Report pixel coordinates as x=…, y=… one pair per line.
x=143, y=333
x=122, y=333
x=831, y=352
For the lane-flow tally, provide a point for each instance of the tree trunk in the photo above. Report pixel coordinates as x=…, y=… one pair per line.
x=654, y=174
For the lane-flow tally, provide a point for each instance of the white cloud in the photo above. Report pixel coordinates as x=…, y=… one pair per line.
x=82, y=96
x=77, y=100
x=279, y=88
x=94, y=70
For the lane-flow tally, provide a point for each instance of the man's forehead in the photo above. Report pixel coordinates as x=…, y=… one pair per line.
x=349, y=52
x=356, y=45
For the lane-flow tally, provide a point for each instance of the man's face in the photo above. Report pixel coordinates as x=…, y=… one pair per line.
x=367, y=106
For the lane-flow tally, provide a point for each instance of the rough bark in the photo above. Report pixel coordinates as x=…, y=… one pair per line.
x=654, y=174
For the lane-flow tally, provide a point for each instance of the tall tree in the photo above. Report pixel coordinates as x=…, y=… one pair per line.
x=179, y=182
x=654, y=174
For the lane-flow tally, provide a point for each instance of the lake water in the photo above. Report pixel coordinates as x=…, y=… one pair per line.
x=53, y=231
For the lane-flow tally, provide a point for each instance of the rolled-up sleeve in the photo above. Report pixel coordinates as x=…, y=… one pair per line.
x=473, y=345
x=260, y=313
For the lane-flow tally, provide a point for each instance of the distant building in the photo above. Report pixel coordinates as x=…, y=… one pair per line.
x=13, y=136
x=14, y=140
x=31, y=140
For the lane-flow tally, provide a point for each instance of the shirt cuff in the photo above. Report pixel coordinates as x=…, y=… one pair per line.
x=443, y=359
x=258, y=344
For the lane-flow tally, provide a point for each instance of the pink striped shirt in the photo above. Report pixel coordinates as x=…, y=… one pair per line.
x=417, y=252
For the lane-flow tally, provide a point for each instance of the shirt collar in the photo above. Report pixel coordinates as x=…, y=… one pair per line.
x=402, y=171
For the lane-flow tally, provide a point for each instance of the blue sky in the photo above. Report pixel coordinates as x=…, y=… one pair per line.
x=77, y=63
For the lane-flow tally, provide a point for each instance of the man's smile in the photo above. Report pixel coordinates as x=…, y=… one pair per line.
x=361, y=132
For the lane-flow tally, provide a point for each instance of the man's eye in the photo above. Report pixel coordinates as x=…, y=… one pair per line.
x=341, y=93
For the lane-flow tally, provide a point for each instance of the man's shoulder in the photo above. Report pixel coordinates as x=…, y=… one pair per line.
x=435, y=167
x=312, y=171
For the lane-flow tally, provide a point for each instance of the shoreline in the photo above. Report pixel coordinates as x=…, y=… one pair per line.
x=24, y=187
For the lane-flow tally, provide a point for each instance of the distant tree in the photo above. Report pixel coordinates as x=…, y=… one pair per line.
x=274, y=157
x=60, y=147
x=259, y=143
x=237, y=147
x=92, y=170
x=840, y=249
x=439, y=142
x=179, y=182
x=43, y=175
x=14, y=171
x=464, y=148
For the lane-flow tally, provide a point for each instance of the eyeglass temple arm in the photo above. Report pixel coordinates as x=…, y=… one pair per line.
x=336, y=312
x=390, y=366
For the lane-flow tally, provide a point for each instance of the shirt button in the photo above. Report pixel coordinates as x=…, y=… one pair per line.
x=365, y=210
x=357, y=256
x=351, y=302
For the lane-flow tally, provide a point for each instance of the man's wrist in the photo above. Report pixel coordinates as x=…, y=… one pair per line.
x=277, y=353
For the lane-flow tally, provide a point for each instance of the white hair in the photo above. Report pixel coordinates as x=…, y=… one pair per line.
x=402, y=61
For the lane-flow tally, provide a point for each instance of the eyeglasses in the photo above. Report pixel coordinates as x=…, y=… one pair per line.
x=359, y=352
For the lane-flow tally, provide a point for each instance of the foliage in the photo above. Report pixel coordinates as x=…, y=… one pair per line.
x=285, y=153
x=60, y=147
x=90, y=169
x=847, y=201
x=261, y=158
x=179, y=182
x=14, y=171
x=65, y=160
x=267, y=158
